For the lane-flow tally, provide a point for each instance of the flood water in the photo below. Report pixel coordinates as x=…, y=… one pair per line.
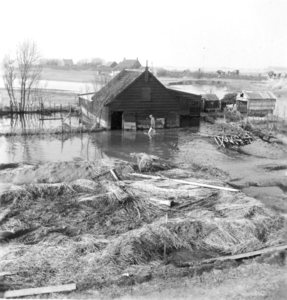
x=89, y=146
x=33, y=121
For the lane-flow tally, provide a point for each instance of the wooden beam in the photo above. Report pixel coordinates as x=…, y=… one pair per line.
x=248, y=254
x=166, y=202
x=41, y=290
x=114, y=174
x=186, y=182
x=3, y=274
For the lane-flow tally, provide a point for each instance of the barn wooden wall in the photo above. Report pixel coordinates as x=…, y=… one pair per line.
x=161, y=104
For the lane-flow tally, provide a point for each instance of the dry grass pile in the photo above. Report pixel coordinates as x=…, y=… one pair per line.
x=56, y=172
x=233, y=116
x=150, y=163
x=91, y=232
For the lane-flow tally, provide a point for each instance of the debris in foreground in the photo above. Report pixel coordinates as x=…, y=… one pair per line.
x=41, y=290
x=91, y=230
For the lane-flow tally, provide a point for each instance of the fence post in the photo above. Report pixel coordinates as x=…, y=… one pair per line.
x=70, y=116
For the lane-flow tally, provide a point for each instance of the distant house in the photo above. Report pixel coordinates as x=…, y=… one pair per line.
x=126, y=64
x=256, y=103
x=210, y=102
x=127, y=101
x=111, y=64
x=103, y=70
x=66, y=62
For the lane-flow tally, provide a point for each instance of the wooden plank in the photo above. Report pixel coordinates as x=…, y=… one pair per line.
x=185, y=182
x=114, y=175
x=3, y=274
x=41, y=290
x=248, y=254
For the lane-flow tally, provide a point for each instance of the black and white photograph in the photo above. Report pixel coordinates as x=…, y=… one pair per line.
x=143, y=149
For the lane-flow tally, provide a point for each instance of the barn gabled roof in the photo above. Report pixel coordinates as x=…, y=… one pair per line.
x=184, y=94
x=127, y=64
x=209, y=97
x=117, y=85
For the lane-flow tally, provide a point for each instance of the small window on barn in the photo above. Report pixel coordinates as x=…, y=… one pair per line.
x=146, y=94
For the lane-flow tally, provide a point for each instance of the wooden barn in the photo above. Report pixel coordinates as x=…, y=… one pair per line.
x=256, y=103
x=127, y=101
x=190, y=107
x=210, y=102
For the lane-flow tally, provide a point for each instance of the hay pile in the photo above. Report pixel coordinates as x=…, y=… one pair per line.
x=91, y=231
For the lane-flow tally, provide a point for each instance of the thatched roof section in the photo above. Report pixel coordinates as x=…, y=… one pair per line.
x=179, y=93
x=117, y=85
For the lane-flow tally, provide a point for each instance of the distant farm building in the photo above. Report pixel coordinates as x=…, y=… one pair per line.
x=103, y=70
x=190, y=106
x=130, y=97
x=256, y=103
x=66, y=62
x=210, y=102
x=111, y=64
x=126, y=64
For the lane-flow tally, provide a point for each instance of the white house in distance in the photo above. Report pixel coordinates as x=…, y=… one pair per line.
x=256, y=103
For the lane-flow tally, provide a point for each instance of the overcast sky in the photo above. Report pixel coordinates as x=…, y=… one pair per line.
x=180, y=33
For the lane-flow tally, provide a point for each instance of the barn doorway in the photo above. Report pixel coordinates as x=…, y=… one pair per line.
x=188, y=121
x=116, y=120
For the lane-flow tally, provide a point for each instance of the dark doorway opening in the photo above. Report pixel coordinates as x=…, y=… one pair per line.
x=188, y=121
x=116, y=120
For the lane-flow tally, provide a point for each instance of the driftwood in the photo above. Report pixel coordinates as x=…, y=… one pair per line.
x=248, y=254
x=115, y=190
x=87, y=198
x=235, y=257
x=41, y=290
x=186, y=182
x=3, y=274
x=153, y=188
x=169, y=203
x=234, y=140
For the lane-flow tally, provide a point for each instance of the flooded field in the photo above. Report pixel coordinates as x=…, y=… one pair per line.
x=93, y=146
x=34, y=121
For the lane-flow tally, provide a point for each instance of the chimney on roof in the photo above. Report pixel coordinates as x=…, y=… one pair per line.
x=146, y=72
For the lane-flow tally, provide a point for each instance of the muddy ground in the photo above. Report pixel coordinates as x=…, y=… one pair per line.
x=259, y=169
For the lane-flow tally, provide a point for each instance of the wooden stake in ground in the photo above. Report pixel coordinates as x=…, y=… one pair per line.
x=41, y=290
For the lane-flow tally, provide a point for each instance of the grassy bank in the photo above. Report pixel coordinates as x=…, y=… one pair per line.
x=66, y=129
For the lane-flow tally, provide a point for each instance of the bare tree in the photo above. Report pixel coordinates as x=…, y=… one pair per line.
x=24, y=70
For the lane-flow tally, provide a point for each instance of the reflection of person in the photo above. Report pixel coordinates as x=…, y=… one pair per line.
x=152, y=124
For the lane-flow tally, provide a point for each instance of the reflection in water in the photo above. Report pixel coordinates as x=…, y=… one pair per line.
x=33, y=121
x=93, y=146
x=121, y=144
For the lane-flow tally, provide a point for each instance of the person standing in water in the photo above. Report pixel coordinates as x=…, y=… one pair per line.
x=152, y=124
